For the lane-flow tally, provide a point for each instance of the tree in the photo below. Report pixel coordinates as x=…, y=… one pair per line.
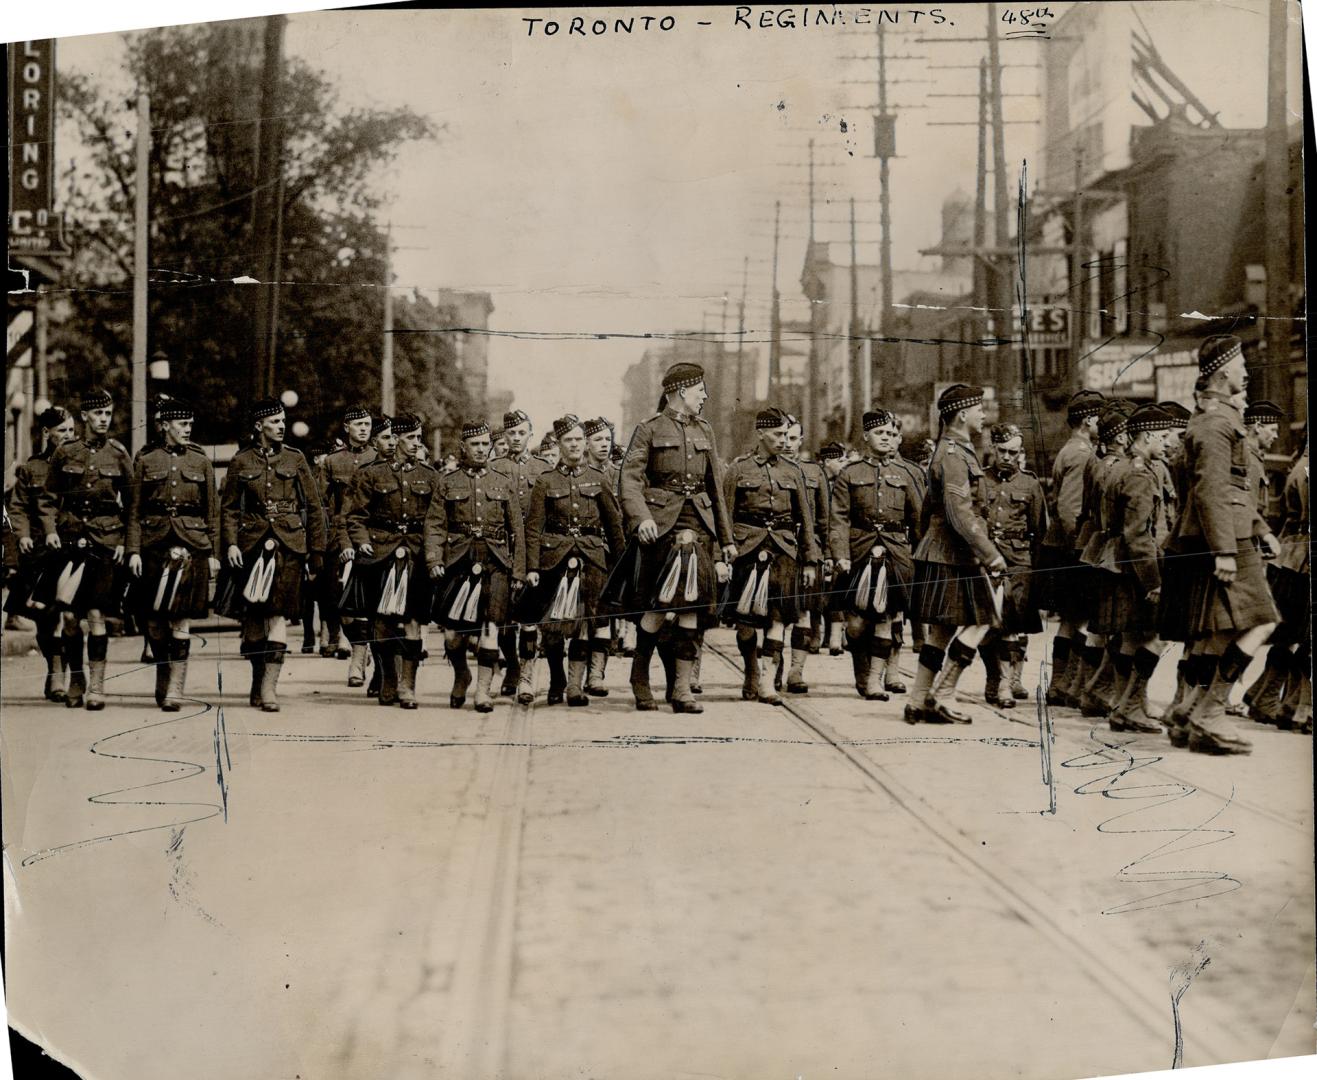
x=205, y=119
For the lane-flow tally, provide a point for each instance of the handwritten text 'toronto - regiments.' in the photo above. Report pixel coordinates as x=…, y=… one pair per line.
x=742, y=17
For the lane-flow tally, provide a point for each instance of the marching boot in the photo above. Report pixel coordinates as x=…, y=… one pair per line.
x=377, y=667
x=835, y=631
x=668, y=657
x=157, y=645
x=388, y=657
x=1199, y=675
x=1132, y=713
x=553, y=655
x=72, y=646
x=772, y=654
x=507, y=646
x=526, y=682
x=485, y=659
x=455, y=650
x=1064, y=656
x=274, y=663
x=179, y=649
x=920, y=707
x=992, y=668
x=255, y=653
x=880, y=654
x=51, y=650
x=796, y=676
x=1093, y=695
x=1264, y=697
x=892, y=670
x=696, y=686
x=749, y=649
x=357, y=664
x=1015, y=670
x=683, y=700
x=408, y=659
x=1287, y=715
x=1210, y=728
x=959, y=658
x=594, y=678
x=96, y=651
x=642, y=655
x=778, y=667
x=576, y=665
x=861, y=664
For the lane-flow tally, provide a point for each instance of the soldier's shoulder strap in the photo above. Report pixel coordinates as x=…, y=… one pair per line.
x=118, y=446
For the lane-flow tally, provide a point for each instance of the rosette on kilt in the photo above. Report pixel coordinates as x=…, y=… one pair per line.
x=463, y=602
x=867, y=589
x=174, y=583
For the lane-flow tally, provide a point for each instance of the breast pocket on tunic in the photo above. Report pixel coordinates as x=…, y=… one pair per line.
x=666, y=454
x=893, y=496
x=864, y=494
x=193, y=481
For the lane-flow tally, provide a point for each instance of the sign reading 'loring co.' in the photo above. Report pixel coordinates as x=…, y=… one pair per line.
x=34, y=226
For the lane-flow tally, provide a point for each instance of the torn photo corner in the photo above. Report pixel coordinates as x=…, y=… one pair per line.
x=445, y=455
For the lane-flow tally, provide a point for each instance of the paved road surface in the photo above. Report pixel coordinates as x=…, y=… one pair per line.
x=340, y=890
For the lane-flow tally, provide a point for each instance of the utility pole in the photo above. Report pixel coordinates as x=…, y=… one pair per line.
x=386, y=362
x=811, y=191
x=858, y=396
x=1078, y=308
x=982, y=299
x=775, y=320
x=886, y=147
x=1276, y=382
x=1007, y=369
x=740, y=339
x=142, y=185
x=265, y=208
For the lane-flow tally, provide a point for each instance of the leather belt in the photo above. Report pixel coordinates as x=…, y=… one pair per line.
x=176, y=510
x=577, y=530
x=91, y=507
x=1012, y=534
x=881, y=525
x=280, y=506
x=765, y=520
x=685, y=489
x=402, y=525
x=481, y=532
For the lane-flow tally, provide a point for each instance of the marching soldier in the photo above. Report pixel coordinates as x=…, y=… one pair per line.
x=336, y=474
x=173, y=546
x=84, y=512
x=517, y=643
x=1017, y=517
x=1228, y=602
x=1137, y=530
x=548, y=451
x=832, y=458
x=30, y=479
x=807, y=634
x=599, y=453
x=1057, y=580
x=475, y=543
x=573, y=536
x=773, y=527
x=954, y=591
x=876, y=509
x=382, y=441
x=672, y=503
x=274, y=531
x=1262, y=425
x=383, y=518
x=1172, y=620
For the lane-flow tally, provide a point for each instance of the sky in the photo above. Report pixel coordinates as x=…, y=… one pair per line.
x=614, y=184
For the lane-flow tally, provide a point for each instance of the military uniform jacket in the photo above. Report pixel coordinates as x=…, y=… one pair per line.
x=672, y=461
x=386, y=507
x=1170, y=496
x=873, y=502
x=335, y=477
x=24, y=512
x=954, y=531
x=1220, y=507
x=916, y=474
x=769, y=502
x=523, y=471
x=268, y=493
x=1295, y=533
x=612, y=473
x=1141, y=522
x=1103, y=529
x=1068, y=472
x=87, y=492
x=573, y=512
x=1257, y=474
x=476, y=503
x=175, y=501
x=819, y=496
x=1016, y=513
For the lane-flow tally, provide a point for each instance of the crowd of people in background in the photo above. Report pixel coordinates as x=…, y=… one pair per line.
x=1150, y=531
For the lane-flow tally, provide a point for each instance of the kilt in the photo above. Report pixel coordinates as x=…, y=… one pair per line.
x=1172, y=611
x=460, y=582
x=779, y=592
x=951, y=595
x=1291, y=591
x=814, y=600
x=1124, y=607
x=1019, y=609
x=1216, y=608
x=900, y=581
x=1111, y=605
x=102, y=585
x=635, y=586
x=186, y=595
x=360, y=597
x=1053, y=584
x=285, y=595
x=24, y=581
x=536, y=604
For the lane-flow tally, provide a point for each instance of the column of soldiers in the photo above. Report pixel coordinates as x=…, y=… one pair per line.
x=1153, y=533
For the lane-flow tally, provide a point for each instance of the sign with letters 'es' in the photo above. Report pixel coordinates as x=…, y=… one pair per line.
x=34, y=227
x=1047, y=325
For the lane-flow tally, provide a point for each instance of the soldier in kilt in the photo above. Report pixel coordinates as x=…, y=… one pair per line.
x=1017, y=519
x=673, y=508
x=33, y=560
x=807, y=634
x=1055, y=578
x=573, y=536
x=274, y=531
x=383, y=442
x=518, y=640
x=1219, y=532
x=832, y=458
x=773, y=527
x=955, y=592
x=173, y=545
x=335, y=476
x=599, y=453
x=84, y=513
x=876, y=510
x=1140, y=520
x=475, y=549
x=388, y=587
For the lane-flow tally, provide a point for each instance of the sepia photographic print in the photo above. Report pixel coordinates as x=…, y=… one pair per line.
x=659, y=542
